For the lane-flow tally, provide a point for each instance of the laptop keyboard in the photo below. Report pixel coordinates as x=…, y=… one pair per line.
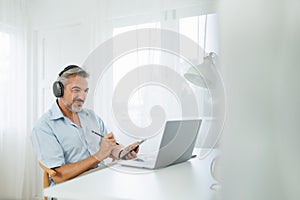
x=145, y=158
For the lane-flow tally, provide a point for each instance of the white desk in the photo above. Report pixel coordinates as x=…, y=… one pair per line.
x=189, y=180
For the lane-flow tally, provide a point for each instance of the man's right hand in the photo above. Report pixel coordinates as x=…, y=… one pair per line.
x=107, y=144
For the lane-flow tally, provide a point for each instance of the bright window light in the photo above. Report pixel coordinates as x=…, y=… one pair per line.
x=135, y=59
x=194, y=28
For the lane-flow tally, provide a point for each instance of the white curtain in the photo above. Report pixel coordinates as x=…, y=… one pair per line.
x=13, y=98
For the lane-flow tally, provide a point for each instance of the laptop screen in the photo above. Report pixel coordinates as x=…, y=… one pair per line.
x=178, y=141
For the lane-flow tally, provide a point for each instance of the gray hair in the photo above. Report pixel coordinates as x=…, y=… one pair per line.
x=64, y=78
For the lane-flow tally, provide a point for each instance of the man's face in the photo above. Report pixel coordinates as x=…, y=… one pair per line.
x=75, y=93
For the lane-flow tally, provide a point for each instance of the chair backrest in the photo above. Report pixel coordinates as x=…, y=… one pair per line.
x=47, y=172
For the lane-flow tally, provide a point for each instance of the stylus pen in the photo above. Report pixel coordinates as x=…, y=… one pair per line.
x=100, y=135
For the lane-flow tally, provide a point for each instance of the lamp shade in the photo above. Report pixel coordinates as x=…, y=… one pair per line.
x=199, y=75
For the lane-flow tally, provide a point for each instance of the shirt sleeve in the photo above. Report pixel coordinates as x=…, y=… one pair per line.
x=46, y=146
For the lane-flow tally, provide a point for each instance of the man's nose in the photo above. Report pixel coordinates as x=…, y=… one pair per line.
x=82, y=94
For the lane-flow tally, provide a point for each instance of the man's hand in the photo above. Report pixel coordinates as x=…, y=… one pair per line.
x=71, y=170
x=107, y=144
x=130, y=151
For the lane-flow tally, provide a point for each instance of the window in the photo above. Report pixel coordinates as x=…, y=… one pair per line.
x=199, y=27
x=134, y=59
x=202, y=30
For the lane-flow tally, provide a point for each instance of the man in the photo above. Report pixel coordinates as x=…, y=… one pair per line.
x=70, y=139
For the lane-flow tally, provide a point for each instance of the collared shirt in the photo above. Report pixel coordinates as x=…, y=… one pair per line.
x=58, y=141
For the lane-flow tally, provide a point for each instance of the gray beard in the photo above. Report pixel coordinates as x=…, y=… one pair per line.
x=71, y=107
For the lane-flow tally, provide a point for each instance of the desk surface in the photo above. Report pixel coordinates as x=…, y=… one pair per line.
x=191, y=180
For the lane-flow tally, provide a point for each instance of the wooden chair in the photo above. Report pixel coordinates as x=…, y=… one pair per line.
x=47, y=172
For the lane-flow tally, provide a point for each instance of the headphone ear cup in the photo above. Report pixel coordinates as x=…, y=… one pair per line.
x=58, y=89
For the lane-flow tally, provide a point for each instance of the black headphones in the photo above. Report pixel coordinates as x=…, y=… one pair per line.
x=58, y=86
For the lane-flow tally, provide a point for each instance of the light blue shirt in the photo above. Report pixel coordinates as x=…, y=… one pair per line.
x=58, y=141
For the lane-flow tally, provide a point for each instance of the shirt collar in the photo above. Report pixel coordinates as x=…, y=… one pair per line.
x=56, y=112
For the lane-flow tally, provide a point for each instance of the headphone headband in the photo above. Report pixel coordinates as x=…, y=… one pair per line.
x=68, y=68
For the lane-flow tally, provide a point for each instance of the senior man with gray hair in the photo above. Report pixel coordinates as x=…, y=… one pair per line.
x=66, y=138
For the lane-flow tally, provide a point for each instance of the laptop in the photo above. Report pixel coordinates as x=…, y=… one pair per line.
x=176, y=146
